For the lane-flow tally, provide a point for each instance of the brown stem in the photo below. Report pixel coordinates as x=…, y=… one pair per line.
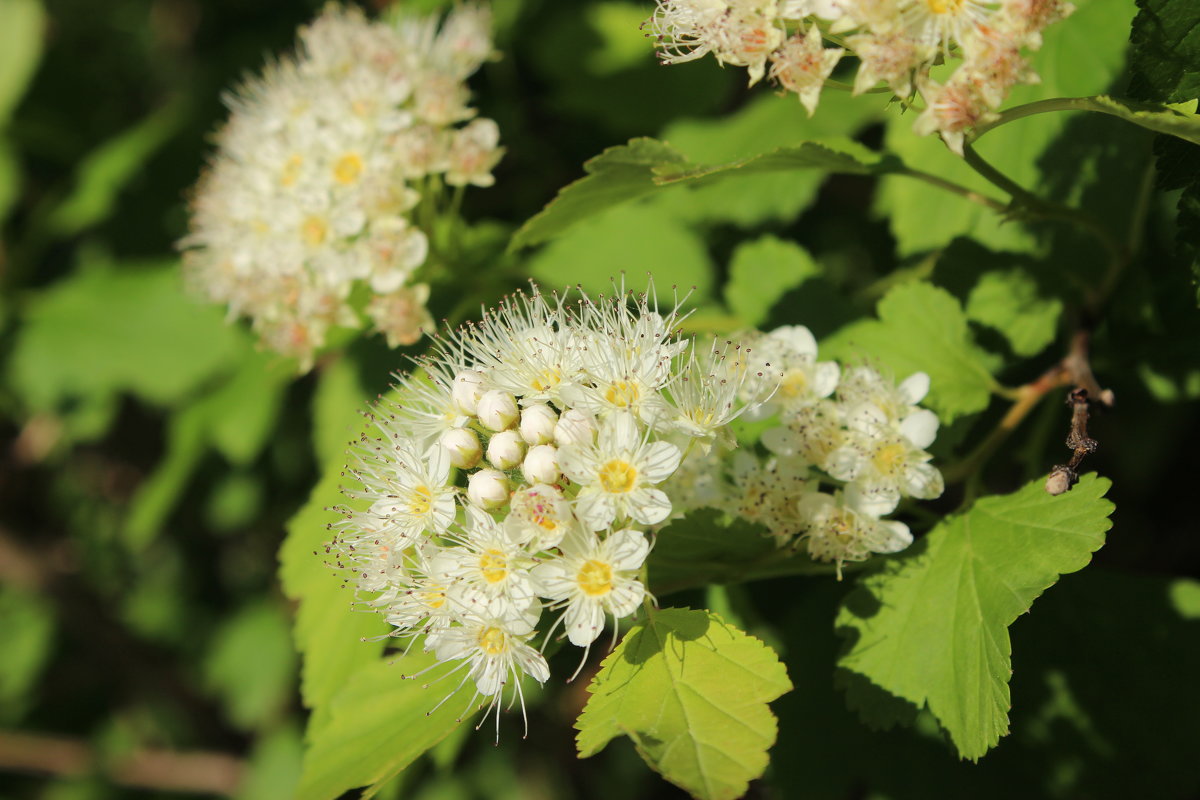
x=163, y=770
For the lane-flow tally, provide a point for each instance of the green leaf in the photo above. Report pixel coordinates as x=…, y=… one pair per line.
x=28, y=636
x=931, y=628
x=763, y=271
x=636, y=240
x=922, y=328
x=691, y=692
x=10, y=180
x=251, y=665
x=22, y=25
x=328, y=631
x=106, y=330
x=379, y=723
x=274, y=767
x=615, y=176
x=1164, y=58
x=1009, y=301
x=1151, y=117
x=838, y=155
x=1082, y=55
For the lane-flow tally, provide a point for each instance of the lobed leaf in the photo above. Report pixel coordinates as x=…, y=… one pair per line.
x=691, y=692
x=1164, y=58
x=922, y=328
x=932, y=628
x=1009, y=301
x=761, y=273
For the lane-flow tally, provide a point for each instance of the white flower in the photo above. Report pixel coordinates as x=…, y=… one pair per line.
x=884, y=463
x=489, y=564
x=497, y=410
x=767, y=493
x=463, y=447
x=617, y=473
x=840, y=531
x=409, y=493
x=791, y=352
x=715, y=388
x=575, y=427
x=473, y=153
x=468, y=388
x=594, y=577
x=802, y=65
x=540, y=516
x=541, y=464
x=537, y=423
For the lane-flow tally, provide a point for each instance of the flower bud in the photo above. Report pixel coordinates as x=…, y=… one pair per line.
x=537, y=423
x=497, y=410
x=506, y=450
x=463, y=447
x=574, y=427
x=541, y=464
x=488, y=488
x=468, y=388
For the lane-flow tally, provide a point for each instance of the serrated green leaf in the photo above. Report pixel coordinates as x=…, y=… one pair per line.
x=1164, y=57
x=691, y=692
x=615, y=176
x=378, y=724
x=922, y=328
x=835, y=155
x=763, y=271
x=329, y=633
x=1154, y=118
x=22, y=25
x=636, y=240
x=1009, y=301
x=1081, y=56
x=932, y=628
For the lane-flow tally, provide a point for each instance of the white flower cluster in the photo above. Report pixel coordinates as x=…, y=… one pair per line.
x=312, y=190
x=520, y=471
x=896, y=42
x=852, y=429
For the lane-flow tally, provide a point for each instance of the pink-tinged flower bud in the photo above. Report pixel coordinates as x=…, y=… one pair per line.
x=497, y=410
x=467, y=389
x=537, y=424
x=506, y=450
x=463, y=447
x=574, y=427
x=488, y=489
x=541, y=464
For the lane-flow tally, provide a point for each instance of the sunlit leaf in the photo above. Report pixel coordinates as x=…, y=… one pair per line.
x=691, y=692
x=932, y=628
x=763, y=271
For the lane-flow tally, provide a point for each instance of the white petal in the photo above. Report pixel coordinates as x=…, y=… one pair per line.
x=923, y=481
x=658, y=460
x=890, y=536
x=584, y=621
x=596, y=509
x=620, y=432
x=578, y=463
x=625, y=598
x=553, y=579
x=914, y=388
x=647, y=506
x=920, y=427
x=532, y=662
x=781, y=441
x=825, y=378
x=797, y=338
x=844, y=463
x=626, y=549
x=872, y=501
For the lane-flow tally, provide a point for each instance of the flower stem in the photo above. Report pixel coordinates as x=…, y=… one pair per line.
x=1101, y=105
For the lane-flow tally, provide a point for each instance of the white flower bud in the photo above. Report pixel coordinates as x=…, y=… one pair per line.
x=497, y=410
x=537, y=423
x=488, y=488
x=574, y=427
x=541, y=464
x=463, y=447
x=468, y=388
x=505, y=450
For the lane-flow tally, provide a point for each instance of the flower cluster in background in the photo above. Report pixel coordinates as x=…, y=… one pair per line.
x=520, y=470
x=304, y=219
x=897, y=42
x=851, y=429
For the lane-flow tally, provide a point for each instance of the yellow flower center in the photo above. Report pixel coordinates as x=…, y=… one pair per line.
x=618, y=476
x=347, y=168
x=944, y=6
x=622, y=394
x=492, y=641
x=493, y=565
x=794, y=383
x=313, y=229
x=291, y=169
x=889, y=458
x=595, y=578
x=420, y=501
x=545, y=380
x=435, y=597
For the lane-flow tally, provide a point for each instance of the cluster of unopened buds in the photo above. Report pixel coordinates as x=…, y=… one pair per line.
x=528, y=464
x=304, y=219
x=896, y=42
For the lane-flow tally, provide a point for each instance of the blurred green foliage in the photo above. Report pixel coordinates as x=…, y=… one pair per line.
x=151, y=457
